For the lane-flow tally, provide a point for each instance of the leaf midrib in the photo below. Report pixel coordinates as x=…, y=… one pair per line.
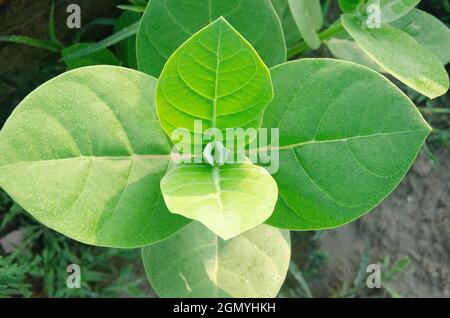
x=216, y=84
x=131, y=157
x=313, y=141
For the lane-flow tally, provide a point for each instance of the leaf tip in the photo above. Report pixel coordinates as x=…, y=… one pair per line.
x=222, y=21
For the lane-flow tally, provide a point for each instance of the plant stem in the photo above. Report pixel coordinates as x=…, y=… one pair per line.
x=324, y=35
x=432, y=110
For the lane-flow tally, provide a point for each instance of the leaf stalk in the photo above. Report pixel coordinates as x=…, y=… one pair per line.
x=324, y=35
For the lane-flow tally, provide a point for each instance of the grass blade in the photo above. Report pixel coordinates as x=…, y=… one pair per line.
x=51, y=28
x=19, y=39
x=111, y=40
x=133, y=8
x=98, y=21
x=295, y=271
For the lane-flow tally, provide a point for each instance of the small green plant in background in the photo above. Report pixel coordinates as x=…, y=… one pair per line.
x=89, y=153
x=91, y=53
x=302, y=282
x=389, y=273
x=37, y=264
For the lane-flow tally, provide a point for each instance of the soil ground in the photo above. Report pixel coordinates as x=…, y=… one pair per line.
x=414, y=221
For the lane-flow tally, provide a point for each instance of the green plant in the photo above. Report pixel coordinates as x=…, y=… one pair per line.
x=91, y=53
x=389, y=272
x=12, y=277
x=86, y=153
x=37, y=267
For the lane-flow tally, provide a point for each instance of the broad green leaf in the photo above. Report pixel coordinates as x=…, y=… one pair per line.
x=307, y=15
x=391, y=10
x=350, y=6
x=291, y=33
x=84, y=155
x=196, y=263
x=126, y=49
x=347, y=138
x=228, y=199
x=400, y=55
x=428, y=31
x=104, y=56
x=166, y=24
x=216, y=77
x=348, y=50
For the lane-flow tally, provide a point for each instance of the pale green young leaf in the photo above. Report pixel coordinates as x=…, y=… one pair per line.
x=307, y=15
x=103, y=57
x=228, y=199
x=400, y=55
x=167, y=24
x=391, y=10
x=84, y=155
x=347, y=138
x=196, y=263
x=428, y=31
x=216, y=77
x=348, y=50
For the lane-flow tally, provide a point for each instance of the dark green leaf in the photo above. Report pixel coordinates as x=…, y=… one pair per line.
x=347, y=138
x=166, y=24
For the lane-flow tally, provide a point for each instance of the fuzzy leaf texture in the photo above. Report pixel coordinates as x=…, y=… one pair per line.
x=348, y=50
x=84, y=155
x=391, y=10
x=347, y=138
x=400, y=55
x=215, y=77
x=196, y=263
x=428, y=31
x=228, y=199
x=307, y=15
x=167, y=24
